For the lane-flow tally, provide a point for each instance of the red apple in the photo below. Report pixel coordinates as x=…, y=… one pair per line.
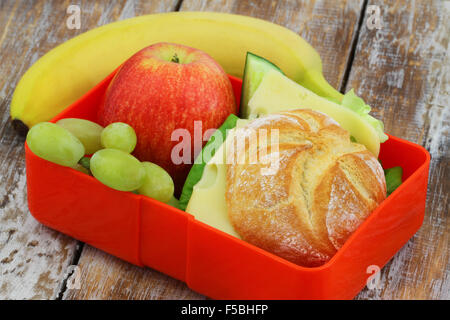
x=162, y=88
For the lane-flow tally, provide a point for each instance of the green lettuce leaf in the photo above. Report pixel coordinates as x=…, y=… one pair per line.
x=356, y=104
x=393, y=178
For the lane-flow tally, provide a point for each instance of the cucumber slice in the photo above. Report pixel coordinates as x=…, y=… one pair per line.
x=196, y=172
x=255, y=69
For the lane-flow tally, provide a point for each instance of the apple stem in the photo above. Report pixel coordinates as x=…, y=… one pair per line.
x=175, y=58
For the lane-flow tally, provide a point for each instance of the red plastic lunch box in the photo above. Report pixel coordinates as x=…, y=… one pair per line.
x=149, y=233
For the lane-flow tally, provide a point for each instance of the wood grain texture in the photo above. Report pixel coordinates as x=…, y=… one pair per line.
x=33, y=258
x=402, y=71
x=105, y=277
x=330, y=27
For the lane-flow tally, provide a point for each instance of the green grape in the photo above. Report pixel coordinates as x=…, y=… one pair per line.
x=157, y=183
x=119, y=135
x=86, y=131
x=117, y=169
x=174, y=202
x=55, y=144
x=85, y=162
x=80, y=168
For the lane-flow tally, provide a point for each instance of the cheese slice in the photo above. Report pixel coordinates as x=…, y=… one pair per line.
x=278, y=93
x=207, y=203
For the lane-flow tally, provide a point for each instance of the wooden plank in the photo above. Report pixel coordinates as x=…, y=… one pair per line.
x=105, y=277
x=330, y=27
x=33, y=258
x=402, y=71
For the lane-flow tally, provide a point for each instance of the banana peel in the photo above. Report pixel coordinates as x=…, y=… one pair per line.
x=68, y=71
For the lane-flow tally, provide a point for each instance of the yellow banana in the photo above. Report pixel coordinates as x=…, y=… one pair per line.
x=68, y=71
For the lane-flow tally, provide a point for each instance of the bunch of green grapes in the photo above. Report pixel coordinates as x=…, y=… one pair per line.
x=69, y=141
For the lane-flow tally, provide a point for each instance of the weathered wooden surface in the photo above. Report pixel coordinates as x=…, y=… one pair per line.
x=102, y=276
x=33, y=258
x=401, y=70
x=328, y=25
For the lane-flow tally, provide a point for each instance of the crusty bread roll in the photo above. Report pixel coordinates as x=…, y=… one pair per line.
x=324, y=188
